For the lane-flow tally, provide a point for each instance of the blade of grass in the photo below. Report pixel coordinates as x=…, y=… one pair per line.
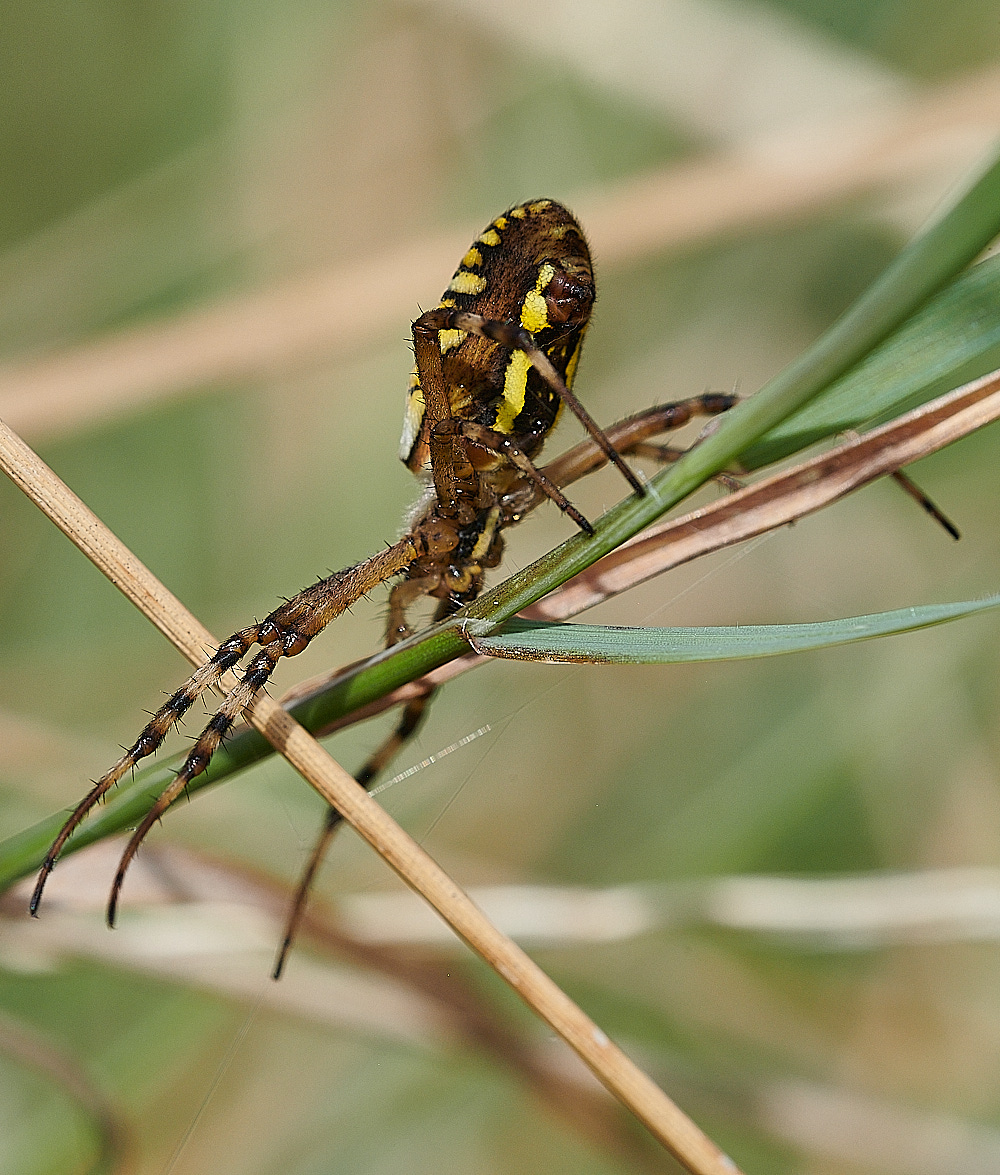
x=953, y=339
x=593, y=644
x=780, y=499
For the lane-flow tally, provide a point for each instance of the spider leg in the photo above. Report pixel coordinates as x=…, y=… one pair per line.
x=515, y=338
x=630, y=437
x=404, y=730
x=630, y=434
x=155, y=731
x=427, y=353
x=918, y=495
x=400, y=598
x=256, y=676
x=666, y=454
x=286, y=632
x=498, y=442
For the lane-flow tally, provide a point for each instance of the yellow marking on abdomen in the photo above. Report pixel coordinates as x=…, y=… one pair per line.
x=473, y=259
x=485, y=540
x=467, y=283
x=412, y=418
x=448, y=340
x=574, y=359
x=491, y=237
x=515, y=386
x=534, y=312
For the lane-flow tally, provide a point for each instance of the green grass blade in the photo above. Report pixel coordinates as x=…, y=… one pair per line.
x=955, y=338
x=524, y=640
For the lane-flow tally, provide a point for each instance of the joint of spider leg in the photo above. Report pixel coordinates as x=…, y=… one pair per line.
x=460, y=578
x=571, y=511
x=229, y=652
x=220, y=723
x=290, y=641
x=196, y=762
x=178, y=704
x=147, y=744
x=507, y=334
x=545, y=368
x=293, y=643
x=258, y=672
x=715, y=403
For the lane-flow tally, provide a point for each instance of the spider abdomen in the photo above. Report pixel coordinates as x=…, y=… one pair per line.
x=529, y=268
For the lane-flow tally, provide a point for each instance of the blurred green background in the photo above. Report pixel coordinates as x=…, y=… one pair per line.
x=164, y=162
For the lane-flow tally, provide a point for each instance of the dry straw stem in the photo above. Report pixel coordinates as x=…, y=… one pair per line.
x=768, y=504
x=309, y=318
x=609, y=1064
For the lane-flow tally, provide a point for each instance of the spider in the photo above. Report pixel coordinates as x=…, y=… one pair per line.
x=495, y=361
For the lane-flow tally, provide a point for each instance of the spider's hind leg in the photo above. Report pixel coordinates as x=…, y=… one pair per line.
x=286, y=632
x=632, y=435
x=403, y=731
x=496, y=442
x=401, y=596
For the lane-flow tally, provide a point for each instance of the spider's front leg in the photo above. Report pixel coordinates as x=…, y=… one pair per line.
x=504, y=446
x=426, y=335
x=518, y=339
x=284, y=633
x=228, y=655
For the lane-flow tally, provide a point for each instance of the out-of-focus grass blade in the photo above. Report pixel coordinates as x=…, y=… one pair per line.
x=525, y=640
x=954, y=339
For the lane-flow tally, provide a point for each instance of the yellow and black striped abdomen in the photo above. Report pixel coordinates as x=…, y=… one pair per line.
x=529, y=267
